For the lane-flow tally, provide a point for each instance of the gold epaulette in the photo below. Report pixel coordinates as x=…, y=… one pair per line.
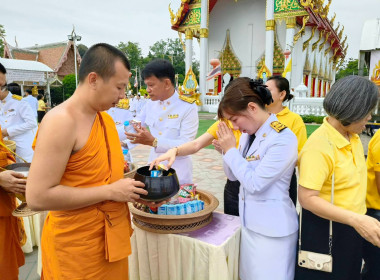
x=17, y=97
x=277, y=126
x=187, y=99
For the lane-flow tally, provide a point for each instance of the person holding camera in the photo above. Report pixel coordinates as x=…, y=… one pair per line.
x=332, y=186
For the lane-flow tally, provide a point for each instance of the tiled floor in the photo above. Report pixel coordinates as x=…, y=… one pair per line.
x=207, y=173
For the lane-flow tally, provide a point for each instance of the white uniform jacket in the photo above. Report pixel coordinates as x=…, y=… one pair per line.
x=33, y=102
x=173, y=122
x=264, y=175
x=19, y=120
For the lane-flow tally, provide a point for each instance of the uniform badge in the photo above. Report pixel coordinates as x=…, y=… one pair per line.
x=174, y=116
x=277, y=126
x=252, y=158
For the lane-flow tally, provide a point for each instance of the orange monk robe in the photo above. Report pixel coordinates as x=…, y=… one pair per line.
x=11, y=255
x=92, y=242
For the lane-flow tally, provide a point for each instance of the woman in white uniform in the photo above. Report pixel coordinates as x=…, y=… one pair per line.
x=264, y=164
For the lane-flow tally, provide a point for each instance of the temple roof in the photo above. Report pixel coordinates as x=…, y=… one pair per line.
x=18, y=64
x=52, y=55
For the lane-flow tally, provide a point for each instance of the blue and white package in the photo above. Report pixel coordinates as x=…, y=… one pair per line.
x=201, y=205
x=194, y=206
x=171, y=210
x=180, y=209
x=155, y=173
x=188, y=208
x=162, y=209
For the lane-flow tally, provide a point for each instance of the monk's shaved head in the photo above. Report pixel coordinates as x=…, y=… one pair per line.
x=101, y=58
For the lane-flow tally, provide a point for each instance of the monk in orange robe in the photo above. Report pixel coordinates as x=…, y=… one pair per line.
x=77, y=174
x=11, y=255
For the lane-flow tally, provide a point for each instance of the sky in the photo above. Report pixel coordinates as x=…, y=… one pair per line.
x=142, y=21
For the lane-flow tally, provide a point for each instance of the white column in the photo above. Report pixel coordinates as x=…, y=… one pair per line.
x=189, y=48
x=22, y=90
x=204, y=50
x=269, y=35
x=290, y=31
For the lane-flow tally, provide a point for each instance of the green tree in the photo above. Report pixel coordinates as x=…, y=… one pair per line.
x=133, y=52
x=82, y=49
x=69, y=85
x=172, y=50
x=2, y=36
x=56, y=94
x=350, y=67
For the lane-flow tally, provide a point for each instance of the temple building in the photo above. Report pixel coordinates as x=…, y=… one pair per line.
x=256, y=38
x=57, y=56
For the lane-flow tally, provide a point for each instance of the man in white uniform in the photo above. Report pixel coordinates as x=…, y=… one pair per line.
x=120, y=114
x=17, y=119
x=32, y=101
x=172, y=119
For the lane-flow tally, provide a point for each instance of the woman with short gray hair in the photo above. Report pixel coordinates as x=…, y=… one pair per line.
x=333, y=157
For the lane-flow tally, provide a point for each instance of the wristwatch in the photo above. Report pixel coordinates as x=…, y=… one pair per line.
x=154, y=144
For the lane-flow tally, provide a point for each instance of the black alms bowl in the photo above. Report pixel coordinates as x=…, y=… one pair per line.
x=159, y=188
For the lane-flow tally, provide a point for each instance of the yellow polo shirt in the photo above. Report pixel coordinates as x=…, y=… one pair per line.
x=318, y=160
x=214, y=128
x=295, y=123
x=373, y=165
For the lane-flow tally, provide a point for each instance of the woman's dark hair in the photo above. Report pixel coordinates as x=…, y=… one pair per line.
x=351, y=99
x=282, y=84
x=40, y=96
x=159, y=68
x=242, y=91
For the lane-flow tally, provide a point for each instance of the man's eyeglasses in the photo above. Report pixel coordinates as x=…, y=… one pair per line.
x=4, y=88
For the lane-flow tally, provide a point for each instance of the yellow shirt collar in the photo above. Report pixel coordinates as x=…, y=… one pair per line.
x=283, y=111
x=336, y=137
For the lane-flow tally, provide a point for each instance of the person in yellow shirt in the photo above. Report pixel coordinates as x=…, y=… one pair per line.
x=334, y=152
x=41, y=111
x=371, y=253
x=279, y=88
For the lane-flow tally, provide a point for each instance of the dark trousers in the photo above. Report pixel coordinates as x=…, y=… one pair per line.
x=346, y=249
x=40, y=115
x=231, y=198
x=293, y=188
x=371, y=254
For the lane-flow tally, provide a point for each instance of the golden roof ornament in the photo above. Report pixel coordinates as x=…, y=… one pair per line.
x=326, y=9
x=323, y=43
x=306, y=43
x=301, y=31
x=375, y=77
x=332, y=20
x=341, y=33
x=315, y=45
x=336, y=29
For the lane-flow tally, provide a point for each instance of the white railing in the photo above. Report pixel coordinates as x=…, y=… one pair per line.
x=307, y=106
x=300, y=105
x=211, y=103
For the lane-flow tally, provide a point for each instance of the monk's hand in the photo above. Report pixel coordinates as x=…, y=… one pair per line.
x=169, y=156
x=12, y=181
x=127, y=190
x=226, y=137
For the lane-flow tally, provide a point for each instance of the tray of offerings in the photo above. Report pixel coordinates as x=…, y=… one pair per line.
x=175, y=223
